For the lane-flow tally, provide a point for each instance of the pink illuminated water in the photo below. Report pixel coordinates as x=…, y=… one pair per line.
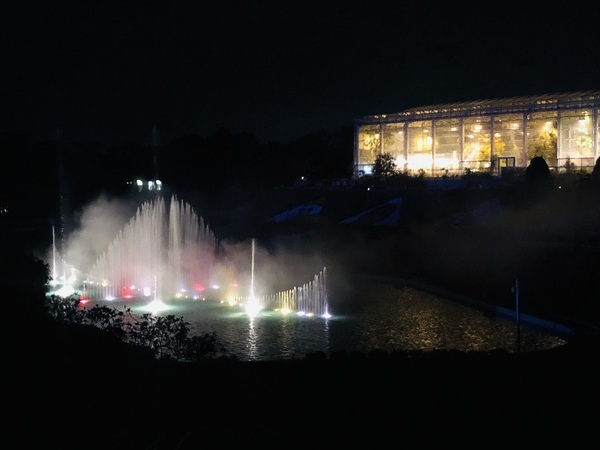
x=165, y=250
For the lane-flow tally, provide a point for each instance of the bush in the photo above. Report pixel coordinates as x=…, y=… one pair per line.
x=168, y=337
x=384, y=165
x=596, y=172
x=538, y=172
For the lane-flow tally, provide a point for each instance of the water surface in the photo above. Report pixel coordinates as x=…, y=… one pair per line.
x=379, y=316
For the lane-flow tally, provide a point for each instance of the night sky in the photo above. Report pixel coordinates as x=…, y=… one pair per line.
x=109, y=72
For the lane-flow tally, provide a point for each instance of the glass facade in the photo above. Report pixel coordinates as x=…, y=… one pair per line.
x=420, y=145
x=447, y=144
x=369, y=146
x=508, y=138
x=393, y=141
x=477, y=144
x=541, y=136
x=484, y=136
x=577, y=145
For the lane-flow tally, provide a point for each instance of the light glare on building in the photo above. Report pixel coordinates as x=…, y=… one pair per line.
x=486, y=136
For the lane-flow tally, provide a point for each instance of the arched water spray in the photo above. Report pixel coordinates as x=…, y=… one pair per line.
x=160, y=253
x=309, y=299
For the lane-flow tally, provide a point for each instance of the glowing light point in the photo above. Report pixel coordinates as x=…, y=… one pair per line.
x=65, y=291
x=252, y=307
x=156, y=306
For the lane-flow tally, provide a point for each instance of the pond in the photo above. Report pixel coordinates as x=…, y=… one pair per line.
x=376, y=316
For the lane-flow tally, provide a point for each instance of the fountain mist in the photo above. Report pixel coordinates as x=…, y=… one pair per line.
x=165, y=251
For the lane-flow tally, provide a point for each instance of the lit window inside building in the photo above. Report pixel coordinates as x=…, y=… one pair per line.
x=485, y=136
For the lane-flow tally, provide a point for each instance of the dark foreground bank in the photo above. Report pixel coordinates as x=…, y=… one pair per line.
x=85, y=394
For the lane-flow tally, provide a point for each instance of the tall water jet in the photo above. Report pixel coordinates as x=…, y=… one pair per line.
x=252, y=304
x=164, y=251
x=252, y=272
x=60, y=283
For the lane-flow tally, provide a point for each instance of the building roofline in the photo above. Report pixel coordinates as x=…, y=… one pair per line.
x=507, y=105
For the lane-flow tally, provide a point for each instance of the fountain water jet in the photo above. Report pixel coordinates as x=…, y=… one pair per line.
x=164, y=251
x=309, y=299
x=252, y=305
x=60, y=283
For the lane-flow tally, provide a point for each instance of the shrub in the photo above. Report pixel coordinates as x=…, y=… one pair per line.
x=168, y=337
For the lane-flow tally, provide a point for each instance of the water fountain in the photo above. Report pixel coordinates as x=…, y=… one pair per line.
x=63, y=276
x=167, y=252
x=164, y=251
x=309, y=299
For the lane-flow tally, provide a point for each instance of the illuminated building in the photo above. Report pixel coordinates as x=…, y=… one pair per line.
x=484, y=136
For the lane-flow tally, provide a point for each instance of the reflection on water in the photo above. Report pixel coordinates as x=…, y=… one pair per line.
x=408, y=319
x=326, y=338
x=378, y=316
x=252, y=340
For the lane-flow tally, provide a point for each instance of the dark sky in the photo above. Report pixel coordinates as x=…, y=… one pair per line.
x=108, y=72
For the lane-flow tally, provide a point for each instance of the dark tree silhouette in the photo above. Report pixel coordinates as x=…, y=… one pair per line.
x=538, y=173
x=596, y=172
x=385, y=165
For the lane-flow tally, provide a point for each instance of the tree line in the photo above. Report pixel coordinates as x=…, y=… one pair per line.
x=39, y=176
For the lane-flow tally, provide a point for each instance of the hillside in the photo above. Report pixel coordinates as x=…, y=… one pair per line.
x=475, y=242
